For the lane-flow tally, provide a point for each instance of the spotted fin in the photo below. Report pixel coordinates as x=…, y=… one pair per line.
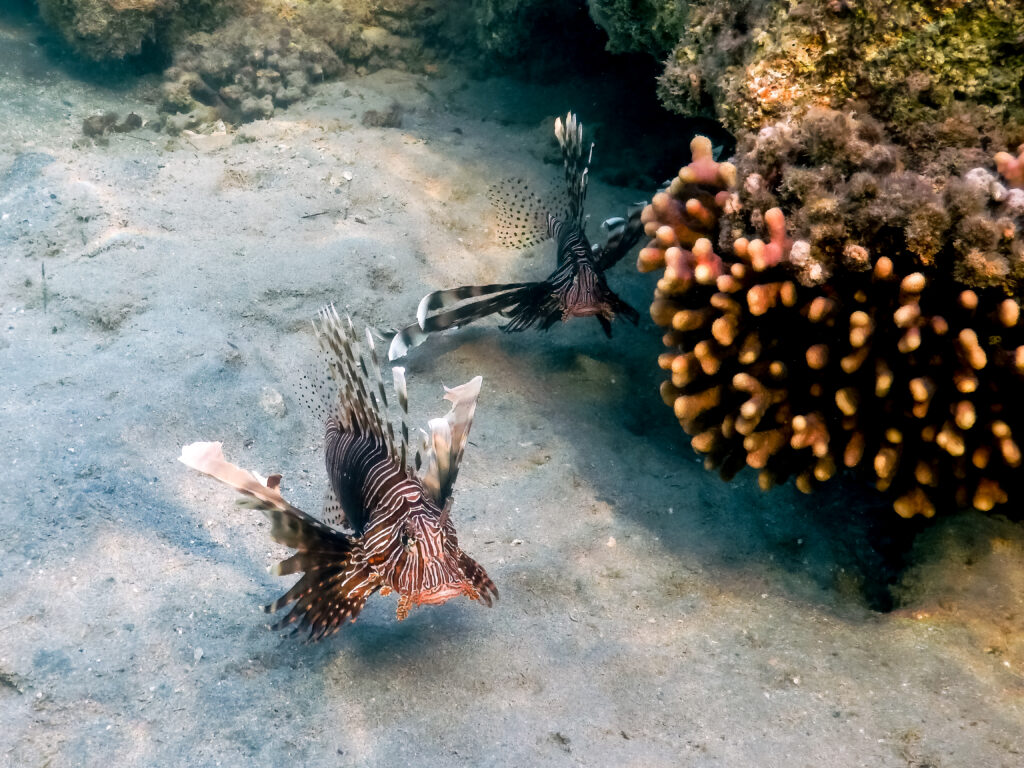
x=445, y=443
x=332, y=513
x=522, y=212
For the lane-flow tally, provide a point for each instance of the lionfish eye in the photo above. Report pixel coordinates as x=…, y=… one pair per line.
x=407, y=542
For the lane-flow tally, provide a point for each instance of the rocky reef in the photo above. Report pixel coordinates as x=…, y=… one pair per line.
x=240, y=60
x=105, y=30
x=938, y=74
x=826, y=307
x=275, y=54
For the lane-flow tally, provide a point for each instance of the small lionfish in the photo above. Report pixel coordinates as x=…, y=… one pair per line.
x=401, y=534
x=577, y=287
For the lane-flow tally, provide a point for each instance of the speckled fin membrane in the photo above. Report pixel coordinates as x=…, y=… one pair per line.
x=332, y=513
x=316, y=390
x=522, y=212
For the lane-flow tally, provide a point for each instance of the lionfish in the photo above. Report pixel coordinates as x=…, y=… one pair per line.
x=577, y=287
x=396, y=513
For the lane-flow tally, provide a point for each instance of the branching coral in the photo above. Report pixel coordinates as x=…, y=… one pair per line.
x=874, y=324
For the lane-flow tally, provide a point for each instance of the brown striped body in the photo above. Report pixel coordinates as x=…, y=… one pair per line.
x=408, y=543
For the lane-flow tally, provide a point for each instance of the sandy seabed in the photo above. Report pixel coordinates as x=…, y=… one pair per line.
x=650, y=615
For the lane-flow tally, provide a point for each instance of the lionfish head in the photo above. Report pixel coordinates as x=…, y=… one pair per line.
x=587, y=296
x=428, y=568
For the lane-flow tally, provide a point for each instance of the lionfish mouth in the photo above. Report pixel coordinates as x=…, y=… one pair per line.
x=443, y=593
x=588, y=310
x=435, y=596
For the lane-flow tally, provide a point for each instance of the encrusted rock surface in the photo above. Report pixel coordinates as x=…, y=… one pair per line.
x=937, y=74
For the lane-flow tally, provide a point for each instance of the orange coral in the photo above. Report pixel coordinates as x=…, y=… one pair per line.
x=798, y=364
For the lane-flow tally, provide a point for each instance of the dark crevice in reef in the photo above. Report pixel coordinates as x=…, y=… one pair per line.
x=639, y=141
x=637, y=138
x=24, y=14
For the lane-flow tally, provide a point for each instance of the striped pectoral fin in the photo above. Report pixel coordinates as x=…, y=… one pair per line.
x=441, y=310
x=294, y=528
x=477, y=576
x=405, y=339
x=620, y=236
x=326, y=597
x=442, y=301
x=472, y=311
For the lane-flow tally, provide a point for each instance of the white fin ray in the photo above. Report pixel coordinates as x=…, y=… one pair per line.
x=208, y=458
x=442, y=452
x=402, y=394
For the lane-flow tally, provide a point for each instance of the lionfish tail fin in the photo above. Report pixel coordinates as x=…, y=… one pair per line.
x=576, y=159
x=522, y=212
x=441, y=454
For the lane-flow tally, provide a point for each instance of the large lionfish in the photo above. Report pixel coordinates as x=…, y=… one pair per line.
x=401, y=537
x=577, y=287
